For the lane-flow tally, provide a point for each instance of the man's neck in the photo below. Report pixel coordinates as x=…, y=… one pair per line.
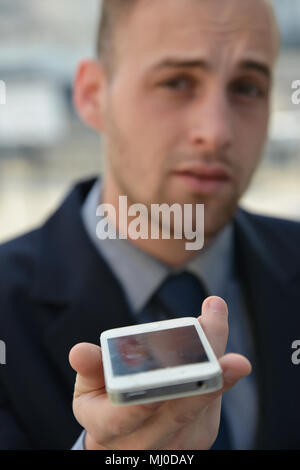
x=170, y=251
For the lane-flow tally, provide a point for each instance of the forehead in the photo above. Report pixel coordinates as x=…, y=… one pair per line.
x=223, y=30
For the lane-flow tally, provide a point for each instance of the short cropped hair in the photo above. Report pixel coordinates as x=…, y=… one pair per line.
x=112, y=12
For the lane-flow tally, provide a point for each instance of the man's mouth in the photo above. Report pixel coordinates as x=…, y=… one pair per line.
x=204, y=179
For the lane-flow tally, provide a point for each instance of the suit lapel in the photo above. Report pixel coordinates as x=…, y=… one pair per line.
x=75, y=286
x=94, y=309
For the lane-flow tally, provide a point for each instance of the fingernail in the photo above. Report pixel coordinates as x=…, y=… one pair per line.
x=216, y=304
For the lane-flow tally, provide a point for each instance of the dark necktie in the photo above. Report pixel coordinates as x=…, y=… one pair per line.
x=182, y=295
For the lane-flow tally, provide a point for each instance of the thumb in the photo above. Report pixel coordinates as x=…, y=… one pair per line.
x=86, y=360
x=234, y=367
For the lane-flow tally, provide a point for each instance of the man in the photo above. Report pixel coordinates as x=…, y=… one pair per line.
x=181, y=96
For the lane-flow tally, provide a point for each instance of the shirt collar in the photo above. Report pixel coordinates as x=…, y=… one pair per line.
x=141, y=274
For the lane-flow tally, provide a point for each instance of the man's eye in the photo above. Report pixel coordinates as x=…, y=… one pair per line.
x=248, y=90
x=178, y=84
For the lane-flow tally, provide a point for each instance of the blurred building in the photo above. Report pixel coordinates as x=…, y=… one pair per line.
x=288, y=14
x=40, y=46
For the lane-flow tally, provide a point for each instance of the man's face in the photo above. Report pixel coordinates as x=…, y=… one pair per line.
x=186, y=110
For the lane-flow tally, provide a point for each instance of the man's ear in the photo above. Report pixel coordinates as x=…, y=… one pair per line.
x=88, y=92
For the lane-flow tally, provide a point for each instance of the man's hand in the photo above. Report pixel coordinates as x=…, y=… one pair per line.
x=182, y=423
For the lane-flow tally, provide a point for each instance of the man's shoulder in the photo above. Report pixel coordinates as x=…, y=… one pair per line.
x=22, y=251
x=18, y=254
x=272, y=221
x=273, y=240
x=278, y=230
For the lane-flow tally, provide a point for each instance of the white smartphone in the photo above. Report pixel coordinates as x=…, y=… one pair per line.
x=158, y=361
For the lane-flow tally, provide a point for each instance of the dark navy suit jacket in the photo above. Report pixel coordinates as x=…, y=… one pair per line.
x=56, y=291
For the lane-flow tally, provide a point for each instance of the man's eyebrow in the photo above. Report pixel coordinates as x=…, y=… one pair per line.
x=185, y=63
x=203, y=64
x=256, y=66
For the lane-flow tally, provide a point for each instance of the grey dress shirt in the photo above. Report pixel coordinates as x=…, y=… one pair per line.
x=140, y=275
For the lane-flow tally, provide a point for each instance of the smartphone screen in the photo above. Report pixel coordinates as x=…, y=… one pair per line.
x=154, y=350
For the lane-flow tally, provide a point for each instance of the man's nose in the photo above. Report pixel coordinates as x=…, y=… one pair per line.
x=212, y=123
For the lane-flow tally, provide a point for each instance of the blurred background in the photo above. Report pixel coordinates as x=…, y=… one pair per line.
x=45, y=148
